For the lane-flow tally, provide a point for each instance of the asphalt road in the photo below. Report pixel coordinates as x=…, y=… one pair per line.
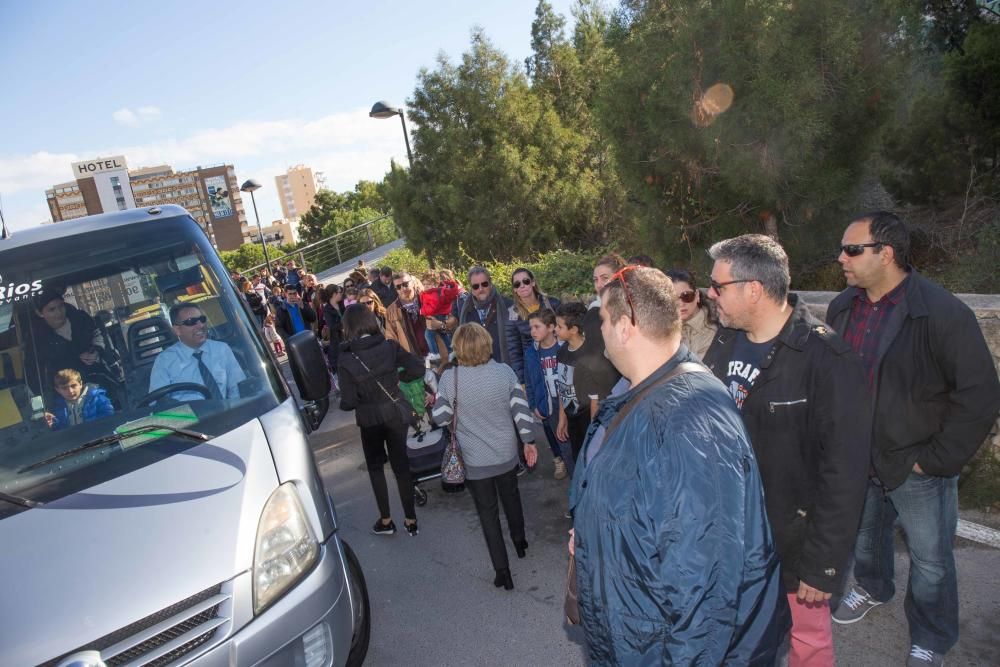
x=433, y=601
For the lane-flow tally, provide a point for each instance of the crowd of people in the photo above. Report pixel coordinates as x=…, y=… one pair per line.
x=731, y=454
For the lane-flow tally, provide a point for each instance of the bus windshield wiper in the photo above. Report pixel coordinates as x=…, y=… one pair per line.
x=18, y=500
x=115, y=438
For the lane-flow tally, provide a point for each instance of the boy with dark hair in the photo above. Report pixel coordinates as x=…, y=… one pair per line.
x=540, y=366
x=584, y=376
x=76, y=402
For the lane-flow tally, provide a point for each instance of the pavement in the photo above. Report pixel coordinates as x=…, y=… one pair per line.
x=338, y=273
x=433, y=601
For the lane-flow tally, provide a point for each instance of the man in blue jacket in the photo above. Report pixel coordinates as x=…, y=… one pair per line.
x=675, y=559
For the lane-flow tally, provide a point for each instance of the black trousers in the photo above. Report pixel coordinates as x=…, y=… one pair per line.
x=376, y=441
x=577, y=426
x=485, y=493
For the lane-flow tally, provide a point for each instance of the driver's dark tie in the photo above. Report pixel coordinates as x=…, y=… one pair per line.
x=206, y=376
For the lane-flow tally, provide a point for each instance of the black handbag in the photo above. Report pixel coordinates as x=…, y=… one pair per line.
x=406, y=412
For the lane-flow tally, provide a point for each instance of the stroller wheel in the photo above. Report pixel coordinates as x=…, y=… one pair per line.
x=419, y=496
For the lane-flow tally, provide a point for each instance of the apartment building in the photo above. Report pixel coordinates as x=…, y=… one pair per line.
x=210, y=194
x=296, y=190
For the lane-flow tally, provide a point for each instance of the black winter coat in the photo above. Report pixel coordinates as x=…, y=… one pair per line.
x=359, y=389
x=283, y=321
x=332, y=319
x=936, y=393
x=808, y=415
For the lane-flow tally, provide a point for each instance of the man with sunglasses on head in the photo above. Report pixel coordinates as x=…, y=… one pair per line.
x=935, y=395
x=484, y=305
x=674, y=558
x=197, y=359
x=802, y=394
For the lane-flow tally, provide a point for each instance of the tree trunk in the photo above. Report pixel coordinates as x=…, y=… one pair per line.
x=771, y=226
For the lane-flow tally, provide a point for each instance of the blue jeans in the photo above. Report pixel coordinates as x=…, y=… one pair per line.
x=561, y=448
x=927, y=509
x=431, y=338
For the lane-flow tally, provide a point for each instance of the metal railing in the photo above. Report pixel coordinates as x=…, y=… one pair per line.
x=333, y=250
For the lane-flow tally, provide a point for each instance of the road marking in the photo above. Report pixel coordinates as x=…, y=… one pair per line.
x=978, y=533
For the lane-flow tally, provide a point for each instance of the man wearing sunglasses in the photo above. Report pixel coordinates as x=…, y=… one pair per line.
x=802, y=394
x=195, y=358
x=667, y=502
x=484, y=305
x=936, y=396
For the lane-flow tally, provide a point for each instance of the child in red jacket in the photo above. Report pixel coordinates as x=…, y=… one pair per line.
x=439, y=293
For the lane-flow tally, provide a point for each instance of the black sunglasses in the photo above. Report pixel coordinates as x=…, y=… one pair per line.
x=366, y=303
x=483, y=284
x=517, y=283
x=855, y=249
x=191, y=321
x=687, y=296
x=718, y=286
x=403, y=285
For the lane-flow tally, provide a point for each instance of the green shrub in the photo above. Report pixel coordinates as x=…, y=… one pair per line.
x=561, y=273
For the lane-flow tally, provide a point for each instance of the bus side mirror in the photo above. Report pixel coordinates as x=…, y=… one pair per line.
x=305, y=357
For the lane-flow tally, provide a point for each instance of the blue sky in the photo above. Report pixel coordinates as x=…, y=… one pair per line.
x=261, y=85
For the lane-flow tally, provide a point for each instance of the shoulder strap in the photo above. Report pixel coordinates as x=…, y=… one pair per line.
x=679, y=369
x=365, y=366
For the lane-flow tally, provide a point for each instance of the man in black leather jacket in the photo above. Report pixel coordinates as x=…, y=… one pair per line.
x=803, y=398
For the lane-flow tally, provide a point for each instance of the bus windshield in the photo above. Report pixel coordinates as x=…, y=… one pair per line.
x=115, y=347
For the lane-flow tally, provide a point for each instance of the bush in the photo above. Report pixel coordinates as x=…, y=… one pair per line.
x=561, y=273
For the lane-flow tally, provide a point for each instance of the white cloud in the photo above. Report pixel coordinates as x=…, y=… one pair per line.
x=140, y=116
x=347, y=146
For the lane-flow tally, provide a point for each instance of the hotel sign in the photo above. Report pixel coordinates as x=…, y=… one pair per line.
x=92, y=167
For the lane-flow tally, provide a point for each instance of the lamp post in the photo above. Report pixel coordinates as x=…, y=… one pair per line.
x=383, y=110
x=250, y=186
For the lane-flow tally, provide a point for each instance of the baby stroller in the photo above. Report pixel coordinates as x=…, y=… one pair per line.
x=426, y=443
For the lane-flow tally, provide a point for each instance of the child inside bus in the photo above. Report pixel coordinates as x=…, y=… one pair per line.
x=76, y=402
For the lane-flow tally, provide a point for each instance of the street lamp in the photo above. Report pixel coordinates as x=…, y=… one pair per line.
x=382, y=110
x=250, y=186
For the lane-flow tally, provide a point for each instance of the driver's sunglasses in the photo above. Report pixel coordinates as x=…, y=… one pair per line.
x=620, y=275
x=855, y=249
x=526, y=282
x=191, y=321
x=402, y=285
x=483, y=285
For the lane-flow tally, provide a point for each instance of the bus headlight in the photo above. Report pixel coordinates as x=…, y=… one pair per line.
x=285, y=548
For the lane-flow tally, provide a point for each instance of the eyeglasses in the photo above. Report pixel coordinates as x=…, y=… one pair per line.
x=483, y=285
x=518, y=283
x=718, y=286
x=369, y=302
x=855, y=249
x=191, y=321
x=620, y=275
x=402, y=285
x=687, y=296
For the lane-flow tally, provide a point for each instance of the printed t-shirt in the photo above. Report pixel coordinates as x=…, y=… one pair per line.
x=744, y=366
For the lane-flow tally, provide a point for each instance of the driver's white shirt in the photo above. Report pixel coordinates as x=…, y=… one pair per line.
x=177, y=364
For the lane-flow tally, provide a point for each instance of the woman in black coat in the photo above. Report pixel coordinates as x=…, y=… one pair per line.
x=369, y=384
x=331, y=297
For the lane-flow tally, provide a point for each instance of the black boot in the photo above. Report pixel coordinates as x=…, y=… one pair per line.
x=521, y=548
x=504, y=579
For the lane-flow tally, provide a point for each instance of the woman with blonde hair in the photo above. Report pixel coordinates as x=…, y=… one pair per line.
x=528, y=298
x=469, y=395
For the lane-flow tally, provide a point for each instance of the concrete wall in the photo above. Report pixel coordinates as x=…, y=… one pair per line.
x=987, y=310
